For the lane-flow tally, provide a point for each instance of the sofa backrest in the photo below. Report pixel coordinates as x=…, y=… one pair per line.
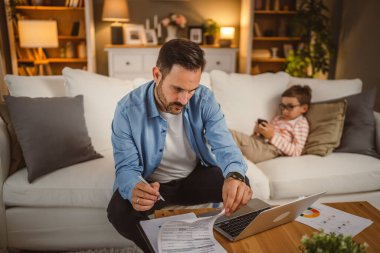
x=35, y=86
x=245, y=98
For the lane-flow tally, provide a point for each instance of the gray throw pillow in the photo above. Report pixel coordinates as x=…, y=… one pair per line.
x=17, y=159
x=359, y=125
x=51, y=131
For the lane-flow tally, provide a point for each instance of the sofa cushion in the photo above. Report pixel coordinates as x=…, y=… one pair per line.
x=338, y=173
x=101, y=94
x=245, y=98
x=17, y=159
x=258, y=181
x=87, y=184
x=359, y=125
x=323, y=90
x=35, y=86
x=326, y=127
x=51, y=131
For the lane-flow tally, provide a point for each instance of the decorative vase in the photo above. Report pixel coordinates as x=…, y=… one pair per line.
x=171, y=32
x=210, y=39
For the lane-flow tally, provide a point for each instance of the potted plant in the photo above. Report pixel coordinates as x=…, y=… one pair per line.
x=326, y=243
x=210, y=31
x=313, y=55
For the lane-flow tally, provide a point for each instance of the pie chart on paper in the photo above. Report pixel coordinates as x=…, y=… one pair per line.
x=310, y=213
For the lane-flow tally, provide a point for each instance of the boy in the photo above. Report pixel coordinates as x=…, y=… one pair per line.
x=285, y=135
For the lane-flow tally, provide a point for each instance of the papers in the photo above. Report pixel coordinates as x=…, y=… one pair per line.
x=333, y=220
x=152, y=227
x=182, y=233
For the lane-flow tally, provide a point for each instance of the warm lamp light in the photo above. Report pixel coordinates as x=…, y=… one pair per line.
x=38, y=34
x=116, y=11
x=227, y=34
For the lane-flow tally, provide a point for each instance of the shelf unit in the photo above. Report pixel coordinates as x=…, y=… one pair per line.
x=129, y=62
x=23, y=58
x=271, y=31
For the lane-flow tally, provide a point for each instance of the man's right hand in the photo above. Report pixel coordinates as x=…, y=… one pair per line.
x=144, y=196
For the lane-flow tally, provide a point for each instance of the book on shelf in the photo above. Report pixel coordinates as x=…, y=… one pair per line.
x=257, y=30
x=74, y=3
x=45, y=53
x=31, y=71
x=22, y=2
x=21, y=71
x=29, y=54
x=75, y=28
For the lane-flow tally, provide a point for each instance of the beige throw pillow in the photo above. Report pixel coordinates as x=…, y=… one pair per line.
x=326, y=126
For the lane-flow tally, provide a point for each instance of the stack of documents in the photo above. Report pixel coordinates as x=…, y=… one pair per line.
x=182, y=233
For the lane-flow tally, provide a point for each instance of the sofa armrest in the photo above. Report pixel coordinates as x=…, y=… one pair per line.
x=258, y=181
x=377, y=120
x=4, y=168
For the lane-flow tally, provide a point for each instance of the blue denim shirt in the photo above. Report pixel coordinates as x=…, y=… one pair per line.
x=138, y=136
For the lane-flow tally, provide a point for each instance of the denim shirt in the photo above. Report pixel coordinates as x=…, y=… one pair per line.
x=138, y=136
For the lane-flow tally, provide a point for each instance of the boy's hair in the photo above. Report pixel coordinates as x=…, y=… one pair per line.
x=183, y=52
x=302, y=93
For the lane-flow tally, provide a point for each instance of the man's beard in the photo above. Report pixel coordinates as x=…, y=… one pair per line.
x=172, y=107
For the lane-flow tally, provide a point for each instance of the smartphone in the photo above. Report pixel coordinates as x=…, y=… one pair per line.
x=259, y=121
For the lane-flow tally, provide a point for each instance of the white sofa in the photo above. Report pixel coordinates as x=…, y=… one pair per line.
x=66, y=209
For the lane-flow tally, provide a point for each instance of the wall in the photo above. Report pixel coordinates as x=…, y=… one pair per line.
x=359, y=44
x=225, y=12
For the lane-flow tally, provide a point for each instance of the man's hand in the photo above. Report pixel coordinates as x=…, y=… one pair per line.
x=144, y=196
x=235, y=194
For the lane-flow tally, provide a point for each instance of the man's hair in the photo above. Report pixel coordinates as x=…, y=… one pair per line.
x=183, y=52
x=302, y=93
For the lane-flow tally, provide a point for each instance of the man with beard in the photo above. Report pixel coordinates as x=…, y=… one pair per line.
x=172, y=132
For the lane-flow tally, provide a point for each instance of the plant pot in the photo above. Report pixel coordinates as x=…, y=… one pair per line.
x=209, y=39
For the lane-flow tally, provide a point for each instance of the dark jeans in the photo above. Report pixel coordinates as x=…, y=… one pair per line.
x=203, y=185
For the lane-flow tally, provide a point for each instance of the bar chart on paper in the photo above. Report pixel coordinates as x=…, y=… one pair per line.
x=329, y=219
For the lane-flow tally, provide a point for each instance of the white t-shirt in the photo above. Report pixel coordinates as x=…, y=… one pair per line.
x=179, y=159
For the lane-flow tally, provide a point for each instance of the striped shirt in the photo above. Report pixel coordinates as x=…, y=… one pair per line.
x=290, y=135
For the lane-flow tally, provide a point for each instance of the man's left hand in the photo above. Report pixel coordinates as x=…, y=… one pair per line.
x=235, y=194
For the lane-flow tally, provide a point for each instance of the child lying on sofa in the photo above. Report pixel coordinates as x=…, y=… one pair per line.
x=285, y=135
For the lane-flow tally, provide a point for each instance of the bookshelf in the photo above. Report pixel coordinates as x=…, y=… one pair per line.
x=76, y=36
x=266, y=35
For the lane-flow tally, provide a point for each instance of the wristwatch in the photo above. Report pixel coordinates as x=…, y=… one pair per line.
x=236, y=175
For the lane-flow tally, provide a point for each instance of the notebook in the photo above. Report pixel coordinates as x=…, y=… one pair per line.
x=258, y=216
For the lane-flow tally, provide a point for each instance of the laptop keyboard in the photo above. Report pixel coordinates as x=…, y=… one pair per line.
x=235, y=226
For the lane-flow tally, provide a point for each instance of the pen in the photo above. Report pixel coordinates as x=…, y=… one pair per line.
x=145, y=182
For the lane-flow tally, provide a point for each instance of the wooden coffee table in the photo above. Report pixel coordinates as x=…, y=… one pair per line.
x=286, y=238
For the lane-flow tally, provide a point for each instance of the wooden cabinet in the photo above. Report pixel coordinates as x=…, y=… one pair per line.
x=71, y=39
x=266, y=36
x=127, y=62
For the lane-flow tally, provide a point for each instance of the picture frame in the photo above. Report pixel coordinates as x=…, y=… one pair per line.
x=134, y=34
x=196, y=34
x=151, y=37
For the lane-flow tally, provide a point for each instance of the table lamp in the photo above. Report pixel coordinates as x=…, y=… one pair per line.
x=227, y=34
x=117, y=11
x=38, y=34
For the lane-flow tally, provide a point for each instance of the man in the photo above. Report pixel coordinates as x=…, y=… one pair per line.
x=172, y=132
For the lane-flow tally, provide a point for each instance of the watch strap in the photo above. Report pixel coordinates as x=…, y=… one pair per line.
x=236, y=175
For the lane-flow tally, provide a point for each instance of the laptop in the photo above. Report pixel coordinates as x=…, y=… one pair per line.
x=258, y=216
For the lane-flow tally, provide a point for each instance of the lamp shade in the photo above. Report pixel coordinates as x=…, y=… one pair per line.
x=227, y=33
x=115, y=10
x=38, y=33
